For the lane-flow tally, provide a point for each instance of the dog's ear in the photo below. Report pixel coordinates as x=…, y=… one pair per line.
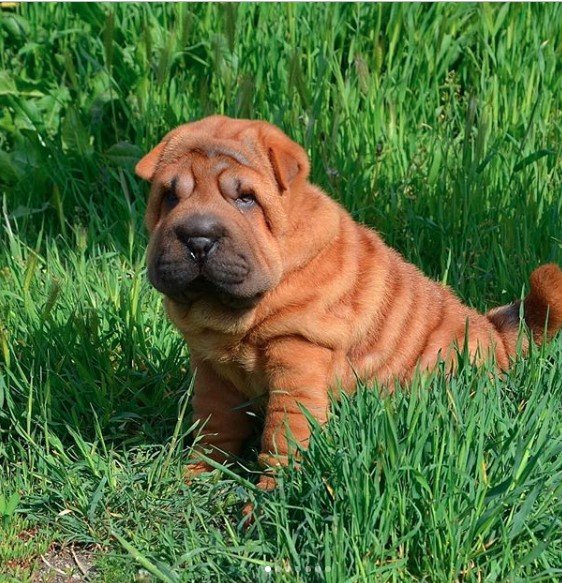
x=147, y=165
x=288, y=160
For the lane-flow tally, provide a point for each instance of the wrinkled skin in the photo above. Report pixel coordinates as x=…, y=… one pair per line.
x=211, y=198
x=282, y=297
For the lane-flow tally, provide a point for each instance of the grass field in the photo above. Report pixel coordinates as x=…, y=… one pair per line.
x=438, y=125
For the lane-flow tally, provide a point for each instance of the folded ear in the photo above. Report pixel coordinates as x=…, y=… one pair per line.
x=289, y=161
x=146, y=167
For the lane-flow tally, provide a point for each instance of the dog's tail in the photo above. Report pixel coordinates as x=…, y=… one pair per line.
x=542, y=309
x=543, y=305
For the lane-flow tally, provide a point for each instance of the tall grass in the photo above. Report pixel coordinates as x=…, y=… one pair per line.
x=437, y=124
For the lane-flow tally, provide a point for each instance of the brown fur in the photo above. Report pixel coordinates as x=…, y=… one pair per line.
x=327, y=301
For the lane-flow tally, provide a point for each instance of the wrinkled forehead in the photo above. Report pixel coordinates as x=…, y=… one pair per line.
x=197, y=167
x=242, y=151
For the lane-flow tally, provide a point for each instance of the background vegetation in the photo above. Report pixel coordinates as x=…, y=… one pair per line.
x=439, y=125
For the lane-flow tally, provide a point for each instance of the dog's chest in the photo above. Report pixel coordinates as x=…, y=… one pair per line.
x=241, y=366
x=235, y=361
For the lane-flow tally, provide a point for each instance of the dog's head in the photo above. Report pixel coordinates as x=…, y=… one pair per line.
x=219, y=209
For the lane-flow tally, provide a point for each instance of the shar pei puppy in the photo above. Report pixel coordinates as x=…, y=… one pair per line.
x=282, y=297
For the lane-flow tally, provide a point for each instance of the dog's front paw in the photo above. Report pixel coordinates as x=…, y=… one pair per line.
x=190, y=471
x=267, y=483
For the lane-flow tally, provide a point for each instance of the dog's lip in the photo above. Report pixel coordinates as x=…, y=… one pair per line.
x=232, y=272
x=239, y=263
x=202, y=287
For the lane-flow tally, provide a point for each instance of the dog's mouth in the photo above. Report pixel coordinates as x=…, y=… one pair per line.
x=203, y=288
x=185, y=283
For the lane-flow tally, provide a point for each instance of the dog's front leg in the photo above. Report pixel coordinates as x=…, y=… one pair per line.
x=299, y=374
x=224, y=422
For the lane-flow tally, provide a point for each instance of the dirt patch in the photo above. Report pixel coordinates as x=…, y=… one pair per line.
x=64, y=564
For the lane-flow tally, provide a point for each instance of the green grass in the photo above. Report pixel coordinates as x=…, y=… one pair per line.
x=438, y=125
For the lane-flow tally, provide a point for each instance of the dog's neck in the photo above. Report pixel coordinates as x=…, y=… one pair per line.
x=313, y=224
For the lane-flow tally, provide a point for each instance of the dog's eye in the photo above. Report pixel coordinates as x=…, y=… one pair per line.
x=246, y=200
x=170, y=198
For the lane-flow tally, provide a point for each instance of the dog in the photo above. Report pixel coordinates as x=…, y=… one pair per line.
x=282, y=297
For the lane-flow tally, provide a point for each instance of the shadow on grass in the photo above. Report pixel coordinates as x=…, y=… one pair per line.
x=96, y=372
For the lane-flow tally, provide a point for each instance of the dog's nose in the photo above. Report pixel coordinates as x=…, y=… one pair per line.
x=200, y=233
x=199, y=247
